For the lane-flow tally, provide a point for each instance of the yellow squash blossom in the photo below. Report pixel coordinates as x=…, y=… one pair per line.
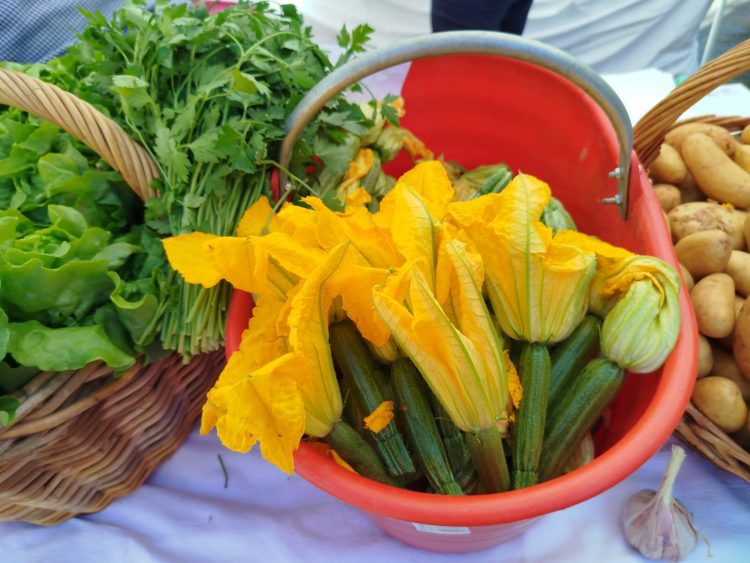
x=537, y=283
x=461, y=361
x=296, y=391
x=412, y=212
x=308, y=335
x=263, y=405
x=461, y=357
x=638, y=298
x=358, y=169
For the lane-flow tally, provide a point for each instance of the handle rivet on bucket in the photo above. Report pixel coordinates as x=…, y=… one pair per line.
x=616, y=199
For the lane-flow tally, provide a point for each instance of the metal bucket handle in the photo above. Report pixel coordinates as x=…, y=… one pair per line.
x=474, y=43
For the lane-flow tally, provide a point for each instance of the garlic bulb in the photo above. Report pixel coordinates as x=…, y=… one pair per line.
x=657, y=524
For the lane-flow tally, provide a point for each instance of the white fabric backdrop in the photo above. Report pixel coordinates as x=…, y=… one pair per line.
x=609, y=35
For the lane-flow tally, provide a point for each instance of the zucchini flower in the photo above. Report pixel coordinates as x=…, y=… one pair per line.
x=295, y=391
x=374, y=112
x=638, y=298
x=538, y=286
x=537, y=283
x=441, y=322
x=460, y=356
x=298, y=265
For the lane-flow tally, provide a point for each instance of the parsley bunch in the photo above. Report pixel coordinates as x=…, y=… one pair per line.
x=207, y=96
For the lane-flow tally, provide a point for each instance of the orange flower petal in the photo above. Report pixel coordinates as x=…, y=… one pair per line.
x=380, y=417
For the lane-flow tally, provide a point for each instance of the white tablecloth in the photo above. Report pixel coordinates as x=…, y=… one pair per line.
x=185, y=513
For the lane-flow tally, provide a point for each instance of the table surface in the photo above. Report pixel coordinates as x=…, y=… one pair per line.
x=190, y=511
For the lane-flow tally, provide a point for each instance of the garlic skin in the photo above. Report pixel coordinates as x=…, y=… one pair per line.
x=657, y=524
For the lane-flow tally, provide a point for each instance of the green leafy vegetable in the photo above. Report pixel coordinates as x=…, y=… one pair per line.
x=207, y=96
x=71, y=250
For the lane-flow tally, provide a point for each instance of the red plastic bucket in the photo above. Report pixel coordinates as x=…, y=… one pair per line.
x=479, y=109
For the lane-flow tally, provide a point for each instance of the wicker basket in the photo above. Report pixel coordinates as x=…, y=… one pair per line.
x=696, y=429
x=84, y=438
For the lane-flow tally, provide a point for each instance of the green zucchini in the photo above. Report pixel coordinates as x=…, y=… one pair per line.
x=413, y=405
x=576, y=412
x=535, y=370
x=569, y=357
x=353, y=414
x=361, y=378
x=453, y=438
x=495, y=183
x=358, y=453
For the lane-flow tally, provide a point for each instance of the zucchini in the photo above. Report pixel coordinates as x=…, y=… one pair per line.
x=535, y=370
x=364, y=381
x=353, y=414
x=495, y=183
x=576, y=412
x=413, y=405
x=358, y=453
x=453, y=438
x=569, y=357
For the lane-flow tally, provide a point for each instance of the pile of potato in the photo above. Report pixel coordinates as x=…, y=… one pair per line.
x=702, y=181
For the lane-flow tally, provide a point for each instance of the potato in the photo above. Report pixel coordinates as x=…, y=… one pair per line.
x=713, y=302
x=728, y=340
x=705, y=252
x=741, y=344
x=745, y=136
x=689, y=190
x=668, y=168
x=739, y=217
x=742, y=156
x=695, y=216
x=719, y=136
x=724, y=365
x=738, y=268
x=718, y=176
x=705, y=356
x=669, y=196
x=687, y=278
x=746, y=231
x=720, y=399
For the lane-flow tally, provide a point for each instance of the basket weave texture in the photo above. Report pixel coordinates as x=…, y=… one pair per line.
x=696, y=429
x=83, y=438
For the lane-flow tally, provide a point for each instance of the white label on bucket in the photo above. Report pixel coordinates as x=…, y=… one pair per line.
x=445, y=530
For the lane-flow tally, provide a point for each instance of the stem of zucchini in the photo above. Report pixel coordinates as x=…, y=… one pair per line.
x=486, y=447
x=358, y=453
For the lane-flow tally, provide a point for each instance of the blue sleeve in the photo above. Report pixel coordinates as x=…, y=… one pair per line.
x=38, y=30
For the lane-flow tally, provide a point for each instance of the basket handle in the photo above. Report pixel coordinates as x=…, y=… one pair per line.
x=650, y=130
x=85, y=123
x=475, y=43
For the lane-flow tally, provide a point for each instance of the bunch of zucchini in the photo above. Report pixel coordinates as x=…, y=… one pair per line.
x=566, y=389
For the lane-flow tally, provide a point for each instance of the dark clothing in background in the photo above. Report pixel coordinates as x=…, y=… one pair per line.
x=490, y=15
